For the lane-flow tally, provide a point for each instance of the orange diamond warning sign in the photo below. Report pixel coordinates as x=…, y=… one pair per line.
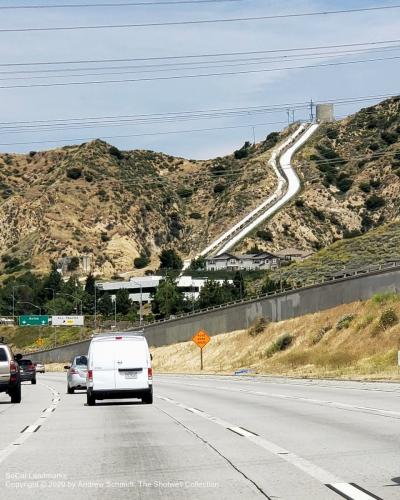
x=201, y=338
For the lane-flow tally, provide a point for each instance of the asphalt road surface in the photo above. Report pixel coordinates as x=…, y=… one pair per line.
x=206, y=437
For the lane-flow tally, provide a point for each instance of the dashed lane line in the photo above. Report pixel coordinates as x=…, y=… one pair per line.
x=333, y=482
x=27, y=431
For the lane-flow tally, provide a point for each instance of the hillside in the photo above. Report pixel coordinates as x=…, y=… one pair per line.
x=350, y=171
x=375, y=247
x=95, y=200
x=358, y=340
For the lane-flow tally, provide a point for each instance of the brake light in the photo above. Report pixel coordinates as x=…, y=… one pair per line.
x=90, y=374
x=13, y=367
x=118, y=338
x=73, y=371
x=150, y=373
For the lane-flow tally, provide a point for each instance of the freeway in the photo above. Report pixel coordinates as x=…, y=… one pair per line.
x=206, y=437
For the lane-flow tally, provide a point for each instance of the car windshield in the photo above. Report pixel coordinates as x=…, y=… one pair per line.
x=80, y=361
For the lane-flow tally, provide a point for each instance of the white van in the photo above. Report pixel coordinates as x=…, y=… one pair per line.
x=119, y=366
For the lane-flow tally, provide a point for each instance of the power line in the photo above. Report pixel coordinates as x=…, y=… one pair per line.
x=119, y=4
x=200, y=75
x=206, y=55
x=164, y=67
x=150, y=118
x=200, y=21
x=84, y=139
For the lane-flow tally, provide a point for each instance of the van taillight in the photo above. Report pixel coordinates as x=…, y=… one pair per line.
x=90, y=374
x=150, y=372
x=118, y=338
x=13, y=367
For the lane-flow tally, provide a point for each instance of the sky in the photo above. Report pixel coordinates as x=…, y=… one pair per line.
x=179, y=137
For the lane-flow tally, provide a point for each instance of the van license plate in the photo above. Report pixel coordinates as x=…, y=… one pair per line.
x=130, y=374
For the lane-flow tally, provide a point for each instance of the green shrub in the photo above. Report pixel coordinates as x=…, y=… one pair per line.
x=365, y=186
x=319, y=335
x=389, y=137
x=219, y=188
x=332, y=133
x=73, y=264
x=264, y=234
x=374, y=146
x=299, y=203
x=344, y=184
x=344, y=322
x=280, y=344
x=104, y=237
x=184, y=192
x=374, y=202
x=141, y=261
x=258, y=326
x=74, y=173
x=115, y=152
x=385, y=297
x=388, y=319
x=375, y=183
x=195, y=215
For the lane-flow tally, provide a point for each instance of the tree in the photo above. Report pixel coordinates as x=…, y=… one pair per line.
x=52, y=281
x=198, y=264
x=73, y=264
x=141, y=261
x=238, y=283
x=60, y=305
x=90, y=284
x=124, y=303
x=106, y=306
x=169, y=259
x=167, y=299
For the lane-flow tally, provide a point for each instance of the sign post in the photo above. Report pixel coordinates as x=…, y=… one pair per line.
x=201, y=339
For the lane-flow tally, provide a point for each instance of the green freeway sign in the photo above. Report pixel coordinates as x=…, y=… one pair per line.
x=33, y=320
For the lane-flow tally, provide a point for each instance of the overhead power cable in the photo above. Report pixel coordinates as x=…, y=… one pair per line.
x=85, y=139
x=202, y=56
x=180, y=66
x=200, y=21
x=118, y=4
x=196, y=114
x=199, y=75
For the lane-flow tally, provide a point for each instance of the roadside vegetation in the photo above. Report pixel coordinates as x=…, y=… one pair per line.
x=358, y=340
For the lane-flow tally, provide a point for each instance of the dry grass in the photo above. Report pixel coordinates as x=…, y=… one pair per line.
x=363, y=349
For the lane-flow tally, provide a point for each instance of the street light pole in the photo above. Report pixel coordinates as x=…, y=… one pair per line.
x=30, y=303
x=115, y=310
x=95, y=305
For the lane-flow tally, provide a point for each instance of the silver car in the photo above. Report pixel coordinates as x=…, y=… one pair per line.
x=76, y=375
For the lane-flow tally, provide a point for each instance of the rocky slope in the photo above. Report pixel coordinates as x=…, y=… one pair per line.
x=95, y=200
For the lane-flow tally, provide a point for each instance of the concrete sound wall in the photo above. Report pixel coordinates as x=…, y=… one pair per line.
x=239, y=316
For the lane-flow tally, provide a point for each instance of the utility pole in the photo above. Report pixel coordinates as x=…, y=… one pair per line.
x=288, y=116
x=311, y=111
x=115, y=311
x=292, y=115
x=254, y=136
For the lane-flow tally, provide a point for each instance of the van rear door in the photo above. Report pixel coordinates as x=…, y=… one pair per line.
x=131, y=363
x=103, y=364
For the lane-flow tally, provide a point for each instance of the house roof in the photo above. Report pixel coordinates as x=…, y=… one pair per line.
x=222, y=256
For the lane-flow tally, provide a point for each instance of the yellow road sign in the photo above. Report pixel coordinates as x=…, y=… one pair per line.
x=201, y=338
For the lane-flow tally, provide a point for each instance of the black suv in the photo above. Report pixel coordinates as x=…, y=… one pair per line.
x=10, y=379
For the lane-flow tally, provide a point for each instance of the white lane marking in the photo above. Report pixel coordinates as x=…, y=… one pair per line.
x=241, y=431
x=27, y=432
x=31, y=428
x=301, y=463
x=351, y=491
x=334, y=404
